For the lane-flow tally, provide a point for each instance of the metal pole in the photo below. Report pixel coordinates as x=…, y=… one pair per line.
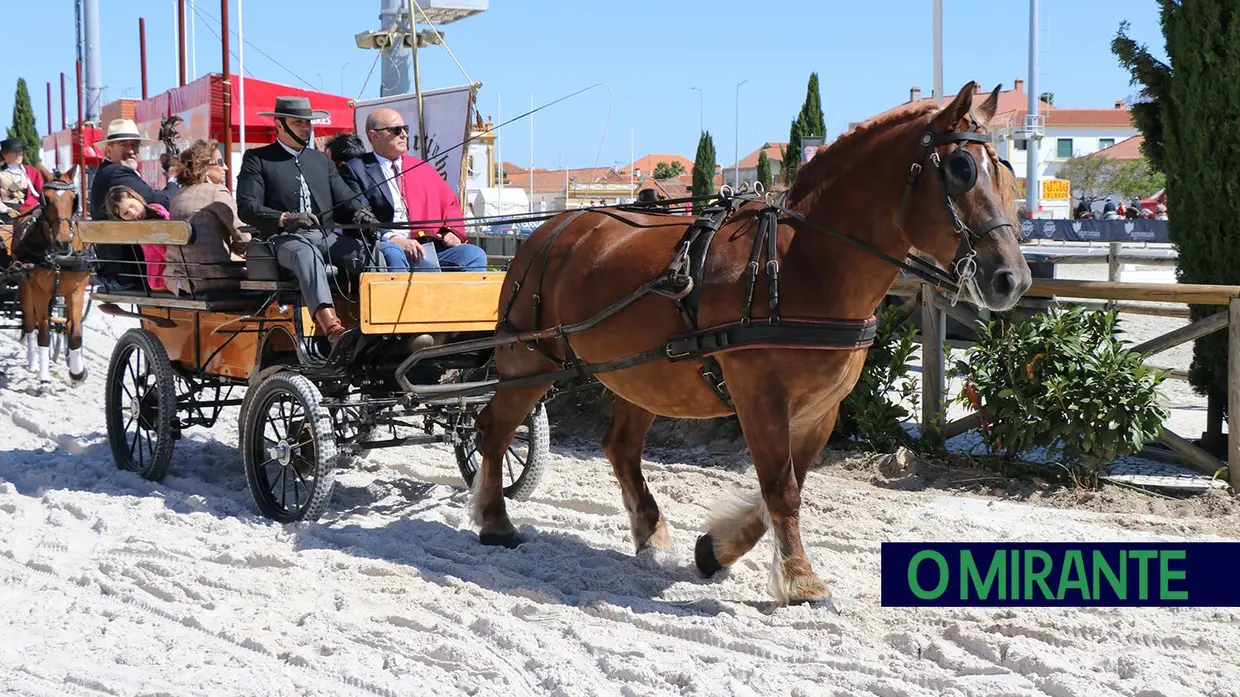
x=181, y=42
x=64, y=121
x=394, y=78
x=81, y=140
x=1033, y=140
x=94, y=79
x=938, y=51
x=240, y=78
x=50, y=127
x=142, y=51
x=417, y=88
x=226, y=85
x=346, y=64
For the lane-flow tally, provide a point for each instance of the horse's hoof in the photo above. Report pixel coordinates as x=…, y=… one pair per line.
x=508, y=540
x=79, y=377
x=827, y=603
x=704, y=556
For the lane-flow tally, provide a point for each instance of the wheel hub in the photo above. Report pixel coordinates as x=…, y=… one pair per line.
x=282, y=453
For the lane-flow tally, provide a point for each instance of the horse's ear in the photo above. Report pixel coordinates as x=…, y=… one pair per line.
x=988, y=107
x=42, y=169
x=69, y=174
x=959, y=107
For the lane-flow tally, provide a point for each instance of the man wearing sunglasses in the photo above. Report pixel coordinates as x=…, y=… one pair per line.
x=402, y=188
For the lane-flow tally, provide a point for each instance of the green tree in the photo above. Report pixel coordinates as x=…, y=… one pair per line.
x=813, y=123
x=1089, y=176
x=23, y=123
x=1187, y=113
x=663, y=170
x=764, y=170
x=1136, y=178
x=809, y=122
x=703, y=170
x=792, y=153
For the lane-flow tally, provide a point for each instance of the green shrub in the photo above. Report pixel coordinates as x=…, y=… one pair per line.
x=1062, y=380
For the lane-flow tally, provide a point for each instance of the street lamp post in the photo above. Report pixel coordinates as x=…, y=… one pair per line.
x=736, y=143
x=346, y=64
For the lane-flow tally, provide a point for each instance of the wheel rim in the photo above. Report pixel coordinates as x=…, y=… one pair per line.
x=515, y=458
x=285, y=451
x=139, y=404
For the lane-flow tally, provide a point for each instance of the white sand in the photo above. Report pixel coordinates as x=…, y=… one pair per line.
x=112, y=585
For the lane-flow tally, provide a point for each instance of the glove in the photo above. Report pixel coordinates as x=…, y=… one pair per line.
x=363, y=216
x=300, y=221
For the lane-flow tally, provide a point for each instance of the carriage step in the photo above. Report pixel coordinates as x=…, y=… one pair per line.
x=451, y=390
x=116, y=311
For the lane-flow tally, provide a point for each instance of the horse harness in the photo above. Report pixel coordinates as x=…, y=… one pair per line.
x=682, y=280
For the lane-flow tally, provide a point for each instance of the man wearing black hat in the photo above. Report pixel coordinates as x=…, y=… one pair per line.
x=293, y=195
x=20, y=184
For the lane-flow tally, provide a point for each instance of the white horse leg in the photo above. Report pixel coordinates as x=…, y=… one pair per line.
x=45, y=373
x=75, y=363
x=32, y=351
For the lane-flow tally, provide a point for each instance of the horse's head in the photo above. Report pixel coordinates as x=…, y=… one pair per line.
x=964, y=212
x=59, y=208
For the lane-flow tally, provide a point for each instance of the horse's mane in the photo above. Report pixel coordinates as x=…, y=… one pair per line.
x=814, y=173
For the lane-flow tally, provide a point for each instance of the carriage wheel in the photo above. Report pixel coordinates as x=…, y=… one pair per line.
x=251, y=390
x=290, y=449
x=141, y=405
x=524, y=461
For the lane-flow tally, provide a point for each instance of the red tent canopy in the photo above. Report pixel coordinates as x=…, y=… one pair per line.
x=201, y=105
x=1153, y=201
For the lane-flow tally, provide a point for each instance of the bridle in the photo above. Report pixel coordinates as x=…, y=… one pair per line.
x=53, y=219
x=957, y=176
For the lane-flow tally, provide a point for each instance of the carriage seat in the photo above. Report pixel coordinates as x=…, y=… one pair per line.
x=261, y=266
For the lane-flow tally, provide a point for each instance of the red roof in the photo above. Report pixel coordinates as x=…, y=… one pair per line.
x=774, y=151
x=1127, y=149
x=645, y=165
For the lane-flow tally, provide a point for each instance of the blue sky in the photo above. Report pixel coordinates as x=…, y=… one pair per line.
x=650, y=54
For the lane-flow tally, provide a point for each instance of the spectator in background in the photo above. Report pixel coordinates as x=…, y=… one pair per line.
x=1160, y=213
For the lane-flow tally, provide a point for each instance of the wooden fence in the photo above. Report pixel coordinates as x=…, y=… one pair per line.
x=935, y=307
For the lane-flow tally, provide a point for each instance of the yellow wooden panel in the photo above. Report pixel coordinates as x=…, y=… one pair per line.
x=426, y=302
x=174, y=232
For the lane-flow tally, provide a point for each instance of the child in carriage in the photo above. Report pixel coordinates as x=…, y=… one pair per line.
x=123, y=203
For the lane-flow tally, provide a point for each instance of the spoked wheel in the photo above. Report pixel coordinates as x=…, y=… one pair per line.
x=289, y=448
x=524, y=461
x=141, y=405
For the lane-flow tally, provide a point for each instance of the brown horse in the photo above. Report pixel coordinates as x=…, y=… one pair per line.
x=54, y=264
x=919, y=177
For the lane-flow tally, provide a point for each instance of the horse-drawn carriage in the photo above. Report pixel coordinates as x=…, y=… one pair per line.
x=301, y=417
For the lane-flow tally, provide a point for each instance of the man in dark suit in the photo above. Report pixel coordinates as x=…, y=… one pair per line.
x=294, y=196
x=119, y=265
x=402, y=188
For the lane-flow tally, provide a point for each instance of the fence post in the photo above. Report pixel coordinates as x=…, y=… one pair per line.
x=1113, y=267
x=1233, y=394
x=933, y=335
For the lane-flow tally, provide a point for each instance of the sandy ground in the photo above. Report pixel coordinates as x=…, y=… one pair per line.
x=112, y=585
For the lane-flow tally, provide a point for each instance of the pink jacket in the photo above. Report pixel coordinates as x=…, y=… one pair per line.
x=430, y=198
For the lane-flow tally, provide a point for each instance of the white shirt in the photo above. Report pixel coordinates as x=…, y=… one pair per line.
x=400, y=214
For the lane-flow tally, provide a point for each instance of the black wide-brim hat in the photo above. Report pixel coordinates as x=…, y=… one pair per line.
x=12, y=145
x=295, y=108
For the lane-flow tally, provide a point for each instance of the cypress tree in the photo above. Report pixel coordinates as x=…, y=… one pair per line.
x=1188, y=115
x=792, y=153
x=813, y=122
x=703, y=170
x=764, y=170
x=23, y=123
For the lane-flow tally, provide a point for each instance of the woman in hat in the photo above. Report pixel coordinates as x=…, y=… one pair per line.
x=20, y=184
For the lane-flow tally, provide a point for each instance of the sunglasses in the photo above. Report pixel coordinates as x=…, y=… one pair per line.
x=395, y=130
